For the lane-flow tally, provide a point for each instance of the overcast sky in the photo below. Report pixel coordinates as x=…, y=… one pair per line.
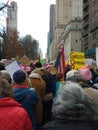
x=33, y=18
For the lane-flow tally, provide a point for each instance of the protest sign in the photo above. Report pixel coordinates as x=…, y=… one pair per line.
x=12, y=67
x=25, y=61
x=77, y=60
x=88, y=61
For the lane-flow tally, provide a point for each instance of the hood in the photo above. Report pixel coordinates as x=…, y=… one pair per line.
x=34, y=75
x=20, y=93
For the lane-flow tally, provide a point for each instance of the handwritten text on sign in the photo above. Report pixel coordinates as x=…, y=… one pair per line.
x=77, y=60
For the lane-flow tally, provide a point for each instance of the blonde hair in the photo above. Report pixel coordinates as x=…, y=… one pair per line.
x=52, y=69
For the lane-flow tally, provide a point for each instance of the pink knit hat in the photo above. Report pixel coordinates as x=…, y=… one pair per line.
x=86, y=74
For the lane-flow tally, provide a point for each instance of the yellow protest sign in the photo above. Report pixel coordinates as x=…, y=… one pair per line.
x=77, y=60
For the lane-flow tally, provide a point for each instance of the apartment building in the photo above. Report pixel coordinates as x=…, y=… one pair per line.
x=90, y=27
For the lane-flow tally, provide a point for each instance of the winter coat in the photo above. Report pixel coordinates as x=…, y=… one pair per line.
x=71, y=125
x=39, y=85
x=94, y=74
x=93, y=93
x=13, y=116
x=28, y=99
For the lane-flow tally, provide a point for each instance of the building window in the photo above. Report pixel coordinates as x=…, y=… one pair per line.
x=94, y=36
x=94, y=46
x=94, y=3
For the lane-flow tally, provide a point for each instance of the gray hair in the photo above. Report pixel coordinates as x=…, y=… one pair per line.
x=73, y=103
x=6, y=75
x=5, y=88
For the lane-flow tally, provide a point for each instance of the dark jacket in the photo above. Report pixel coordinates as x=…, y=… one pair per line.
x=71, y=125
x=28, y=99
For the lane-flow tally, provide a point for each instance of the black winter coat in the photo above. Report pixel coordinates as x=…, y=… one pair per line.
x=71, y=125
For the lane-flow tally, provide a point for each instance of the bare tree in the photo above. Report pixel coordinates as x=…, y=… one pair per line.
x=3, y=13
x=30, y=46
x=5, y=5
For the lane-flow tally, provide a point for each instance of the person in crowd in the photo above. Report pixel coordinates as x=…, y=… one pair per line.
x=38, y=71
x=60, y=80
x=97, y=69
x=67, y=68
x=73, y=109
x=2, y=66
x=32, y=66
x=6, y=75
x=53, y=71
x=86, y=75
x=94, y=62
x=48, y=97
x=75, y=76
x=12, y=115
x=38, y=68
x=27, y=97
x=94, y=72
x=37, y=64
x=39, y=85
x=95, y=84
x=49, y=92
x=90, y=76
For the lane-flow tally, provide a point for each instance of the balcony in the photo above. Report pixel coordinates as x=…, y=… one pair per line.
x=85, y=14
x=85, y=6
x=85, y=23
x=84, y=32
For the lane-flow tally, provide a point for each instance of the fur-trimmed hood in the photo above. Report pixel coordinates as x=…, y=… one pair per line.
x=34, y=75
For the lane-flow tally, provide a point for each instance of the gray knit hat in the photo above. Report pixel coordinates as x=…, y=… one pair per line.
x=73, y=75
x=5, y=74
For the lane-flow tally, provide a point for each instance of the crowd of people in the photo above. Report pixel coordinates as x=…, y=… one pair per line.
x=45, y=99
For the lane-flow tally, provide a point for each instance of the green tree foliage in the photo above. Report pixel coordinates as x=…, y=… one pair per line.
x=11, y=46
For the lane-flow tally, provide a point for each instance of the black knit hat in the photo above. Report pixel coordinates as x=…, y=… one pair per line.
x=19, y=76
x=38, y=64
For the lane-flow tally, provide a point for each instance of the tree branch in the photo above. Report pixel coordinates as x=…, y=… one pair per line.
x=4, y=6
